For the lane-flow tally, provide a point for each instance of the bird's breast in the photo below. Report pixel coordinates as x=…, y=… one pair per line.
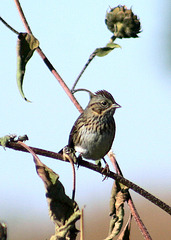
x=95, y=139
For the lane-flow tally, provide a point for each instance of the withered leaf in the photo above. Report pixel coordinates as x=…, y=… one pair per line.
x=125, y=234
x=118, y=197
x=63, y=211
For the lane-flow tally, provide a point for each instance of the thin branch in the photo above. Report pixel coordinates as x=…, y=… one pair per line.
x=131, y=205
x=60, y=80
x=8, y=26
x=96, y=168
x=68, y=156
x=82, y=71
x=26, y=25
x=91, y=57
x=82, y=225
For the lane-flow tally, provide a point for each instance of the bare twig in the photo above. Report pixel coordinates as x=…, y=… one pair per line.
x=68, y=156
x=8, y=26
x=60, y=80
x=91, y=57
x=82, y=225
x=96, y=168
x=82, y=71
x=26, y=25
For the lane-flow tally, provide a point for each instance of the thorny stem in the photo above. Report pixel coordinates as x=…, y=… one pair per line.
x=96, y=168
x=131, y=205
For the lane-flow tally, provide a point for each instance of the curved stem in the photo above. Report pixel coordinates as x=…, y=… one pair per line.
x=8, y=26
x=84, y=68
x=112, y=39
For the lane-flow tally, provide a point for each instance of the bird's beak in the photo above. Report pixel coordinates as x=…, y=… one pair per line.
x=116, y=105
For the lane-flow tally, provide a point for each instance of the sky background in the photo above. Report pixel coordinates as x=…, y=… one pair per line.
x=138, y=76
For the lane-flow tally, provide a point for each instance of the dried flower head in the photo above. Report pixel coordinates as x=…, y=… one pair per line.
x=122, y=22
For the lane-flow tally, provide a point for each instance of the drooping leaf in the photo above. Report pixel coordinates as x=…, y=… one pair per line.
x=101, y=52
x=26, y=45
x=118, y=197
x=63, y=211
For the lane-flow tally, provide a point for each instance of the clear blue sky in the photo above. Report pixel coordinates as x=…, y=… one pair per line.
x=138, y=76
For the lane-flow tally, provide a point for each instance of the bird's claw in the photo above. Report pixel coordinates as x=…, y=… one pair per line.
x=105, y=170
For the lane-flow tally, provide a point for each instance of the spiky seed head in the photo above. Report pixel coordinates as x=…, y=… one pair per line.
x=122, y=22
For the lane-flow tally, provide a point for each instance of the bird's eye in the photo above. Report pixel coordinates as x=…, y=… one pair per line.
x=104, y=103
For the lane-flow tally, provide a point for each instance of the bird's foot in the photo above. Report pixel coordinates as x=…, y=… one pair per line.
x=105, y=170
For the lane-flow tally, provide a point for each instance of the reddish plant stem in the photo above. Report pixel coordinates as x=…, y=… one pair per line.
x=26, y=25
x=47, y=62
x=84, y=68
x=60, y=80
x=131, y=205
x=89, y=165
x=69, y=158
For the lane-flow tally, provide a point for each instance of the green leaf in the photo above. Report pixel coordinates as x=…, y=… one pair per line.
x=101, y=52
x=26, y=45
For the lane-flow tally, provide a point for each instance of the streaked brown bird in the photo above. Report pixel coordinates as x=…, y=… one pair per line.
x=93, y=132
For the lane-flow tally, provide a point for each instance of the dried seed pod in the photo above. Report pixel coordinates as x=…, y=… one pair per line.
x=122, y=22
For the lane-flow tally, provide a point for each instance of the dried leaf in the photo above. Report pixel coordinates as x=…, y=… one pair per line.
x=63, y=211
x=26, y=45
x=101, y=52
x=118, y=197
x=125, y=234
